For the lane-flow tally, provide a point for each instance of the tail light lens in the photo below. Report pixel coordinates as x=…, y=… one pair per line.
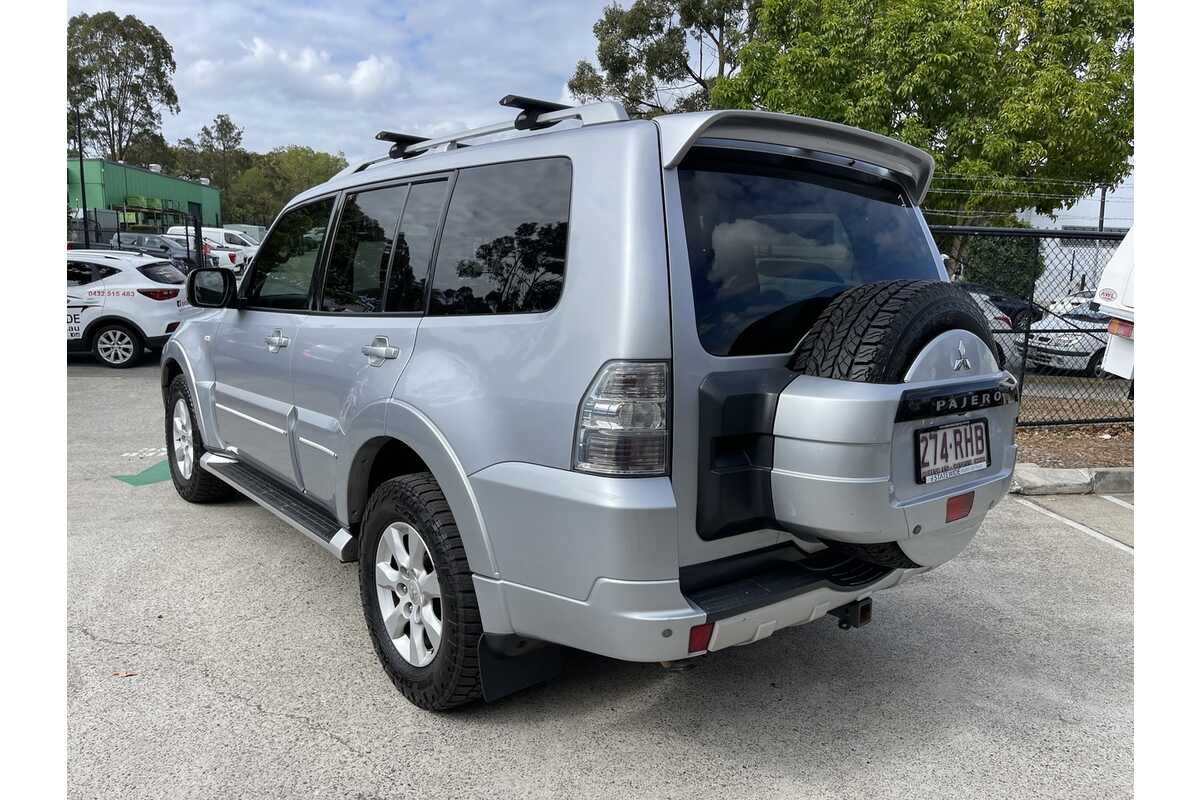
x=159, y=294
x=232, y=258
x=1119, y=327
x=959, y=506
x=699, y=637
x=1004, y=319
x=624, y=425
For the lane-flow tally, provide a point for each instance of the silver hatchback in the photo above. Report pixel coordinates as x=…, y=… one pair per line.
x=646, y=388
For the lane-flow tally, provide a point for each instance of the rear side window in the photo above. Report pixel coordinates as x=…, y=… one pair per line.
x=78, y=273
x=772, y=239
x=503, y=248
x=162, y=272
x=358, y=265
x=414, y=246
x=283, y=268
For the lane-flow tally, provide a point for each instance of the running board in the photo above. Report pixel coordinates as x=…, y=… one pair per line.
x=284, y=503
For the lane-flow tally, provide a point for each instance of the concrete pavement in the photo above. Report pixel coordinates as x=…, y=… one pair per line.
x=216, y=653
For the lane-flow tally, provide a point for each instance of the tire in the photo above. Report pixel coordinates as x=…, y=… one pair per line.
x=872, y=333
x=197, y=486
x=452, y=677
x=117, y=345
x=1095, y=367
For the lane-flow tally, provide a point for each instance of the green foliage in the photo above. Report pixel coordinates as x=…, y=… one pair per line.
x=1004, y=263
x=663, y=55
x=119, y=78
x=1010, y=96
x=276, y=177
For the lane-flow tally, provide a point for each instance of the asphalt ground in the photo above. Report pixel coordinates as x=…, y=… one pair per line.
x=214, y=652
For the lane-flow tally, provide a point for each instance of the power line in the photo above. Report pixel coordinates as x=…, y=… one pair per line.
x=1000, y=193
x=966, y=176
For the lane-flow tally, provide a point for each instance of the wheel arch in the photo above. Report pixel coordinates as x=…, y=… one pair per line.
x=90, y=331
x=413, y=444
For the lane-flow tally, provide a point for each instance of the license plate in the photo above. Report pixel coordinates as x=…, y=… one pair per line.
x=948, y=451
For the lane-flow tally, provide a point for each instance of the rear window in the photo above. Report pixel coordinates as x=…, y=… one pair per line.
x=772, y=239
x=162, y=272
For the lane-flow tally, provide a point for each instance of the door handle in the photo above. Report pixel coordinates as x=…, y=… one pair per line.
x=276, y=341
x=379, y=351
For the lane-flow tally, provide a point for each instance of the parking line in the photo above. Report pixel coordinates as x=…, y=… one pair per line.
x=1077, y=526
x=1118, y=501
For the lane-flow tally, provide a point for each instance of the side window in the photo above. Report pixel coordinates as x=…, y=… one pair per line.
x=362, y=249
x=104, y=271
x=231, y=239
x=78, y=273
x=414, y=246
x=504, y=245
x=283, y=268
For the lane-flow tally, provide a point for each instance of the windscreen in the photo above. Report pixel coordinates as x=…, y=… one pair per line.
x=772, y=239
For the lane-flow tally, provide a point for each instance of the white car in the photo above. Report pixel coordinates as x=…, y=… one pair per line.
x=216, y=256
x=1065, y=305
x=1115, y=297
x=1001, y=326
x=120, y=302
x=1070, y=342
x=222, y=237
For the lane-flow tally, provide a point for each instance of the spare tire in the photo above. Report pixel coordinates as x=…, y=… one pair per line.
x=871, y=334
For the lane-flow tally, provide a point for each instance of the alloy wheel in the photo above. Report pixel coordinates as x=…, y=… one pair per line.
x=115, y=346
x=410, y=597
x=181, y=438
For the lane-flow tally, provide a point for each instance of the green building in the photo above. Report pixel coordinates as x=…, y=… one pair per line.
x=144, y=199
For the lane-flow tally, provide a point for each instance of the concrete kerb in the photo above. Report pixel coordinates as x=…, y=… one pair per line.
x=1030, y=479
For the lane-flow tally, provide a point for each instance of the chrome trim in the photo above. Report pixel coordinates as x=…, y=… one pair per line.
x=316, y=446
x=343, y=546
x=249, y=418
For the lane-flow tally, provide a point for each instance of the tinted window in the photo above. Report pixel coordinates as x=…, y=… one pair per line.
x=162, y=272
x=771, y=240
x=103, y=271
x=78, y=273
x=231, y=239
x=284, y=266
x=414, y=246
x=362, y=249
x=504, y=245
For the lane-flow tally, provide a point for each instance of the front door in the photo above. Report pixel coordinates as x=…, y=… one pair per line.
x=351, y=353
x=254, y=347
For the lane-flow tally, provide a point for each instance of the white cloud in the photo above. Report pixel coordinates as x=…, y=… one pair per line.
x=329, y=74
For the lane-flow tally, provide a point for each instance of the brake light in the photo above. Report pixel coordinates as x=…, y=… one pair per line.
x=1003, y=318
x=959, y=506
x=623, y=427
x=699, y=637
x=233, y=258
x=206, y=248
x=1119, y=327
x=159, y=294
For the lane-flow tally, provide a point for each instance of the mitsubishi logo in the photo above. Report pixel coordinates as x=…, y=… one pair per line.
x=962, y=362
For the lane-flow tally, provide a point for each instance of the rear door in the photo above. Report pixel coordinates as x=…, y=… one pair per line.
x=254, y=346
x=84, y=302
x=351, y=351
x=761, y=237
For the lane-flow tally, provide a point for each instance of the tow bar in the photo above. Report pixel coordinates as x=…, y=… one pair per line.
x=853, y=615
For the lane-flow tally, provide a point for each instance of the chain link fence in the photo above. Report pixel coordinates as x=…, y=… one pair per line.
x=106, y=229
x=1036, y=287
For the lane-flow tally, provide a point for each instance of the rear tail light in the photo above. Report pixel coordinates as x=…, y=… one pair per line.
x=233, y=258
x=159, y=294
x=1003, y=318
x=1119, y=327
x=699, y=637
x=206, y=248
x=959, y=506
x=624, y=427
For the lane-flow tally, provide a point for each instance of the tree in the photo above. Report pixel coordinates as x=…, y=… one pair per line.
x=276, y=177
x=119, y=73
x=222, y=142
x=1014, y=98
x=663, y=55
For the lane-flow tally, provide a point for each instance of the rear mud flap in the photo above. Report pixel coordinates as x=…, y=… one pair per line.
x=509, y=664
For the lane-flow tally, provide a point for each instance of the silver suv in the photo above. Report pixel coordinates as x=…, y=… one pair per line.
x=646, y=388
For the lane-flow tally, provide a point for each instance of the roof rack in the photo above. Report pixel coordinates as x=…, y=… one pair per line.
x=535, y=115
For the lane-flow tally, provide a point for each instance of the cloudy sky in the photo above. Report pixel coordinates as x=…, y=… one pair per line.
x=329, y=74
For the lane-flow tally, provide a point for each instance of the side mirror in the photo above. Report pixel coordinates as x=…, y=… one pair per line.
x=211, y=288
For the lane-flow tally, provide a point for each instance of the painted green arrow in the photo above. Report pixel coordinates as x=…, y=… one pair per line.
x=153, y=474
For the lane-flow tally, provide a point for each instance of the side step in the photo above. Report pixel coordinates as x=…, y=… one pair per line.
x=284, y=503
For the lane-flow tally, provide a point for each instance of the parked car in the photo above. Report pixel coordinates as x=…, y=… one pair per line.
x=180, y=255
x=680, y=383
x=254, y=233
x=1115, y=298
x=215, y=255
x=222, y=238
x=1069, y=303
x=1002, y=331
x=120, y=303
x=1015, y=308
x=1070, y=342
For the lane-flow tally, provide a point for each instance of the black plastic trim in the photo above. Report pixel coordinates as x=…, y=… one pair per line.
x=941, y=402
x=736, y=451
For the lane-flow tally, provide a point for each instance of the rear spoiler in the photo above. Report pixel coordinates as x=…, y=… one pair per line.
x=678, y=132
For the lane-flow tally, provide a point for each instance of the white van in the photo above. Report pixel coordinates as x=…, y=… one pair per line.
x=1115, y=299
x=222, y=237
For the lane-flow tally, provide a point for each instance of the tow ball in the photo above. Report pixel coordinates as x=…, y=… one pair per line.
x=853, y=615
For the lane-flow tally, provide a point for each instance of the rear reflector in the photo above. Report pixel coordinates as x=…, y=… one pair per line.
x=1119, y=327
x=172, y=326
x=699, y=636
x=159, y=294
x=959, y=506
